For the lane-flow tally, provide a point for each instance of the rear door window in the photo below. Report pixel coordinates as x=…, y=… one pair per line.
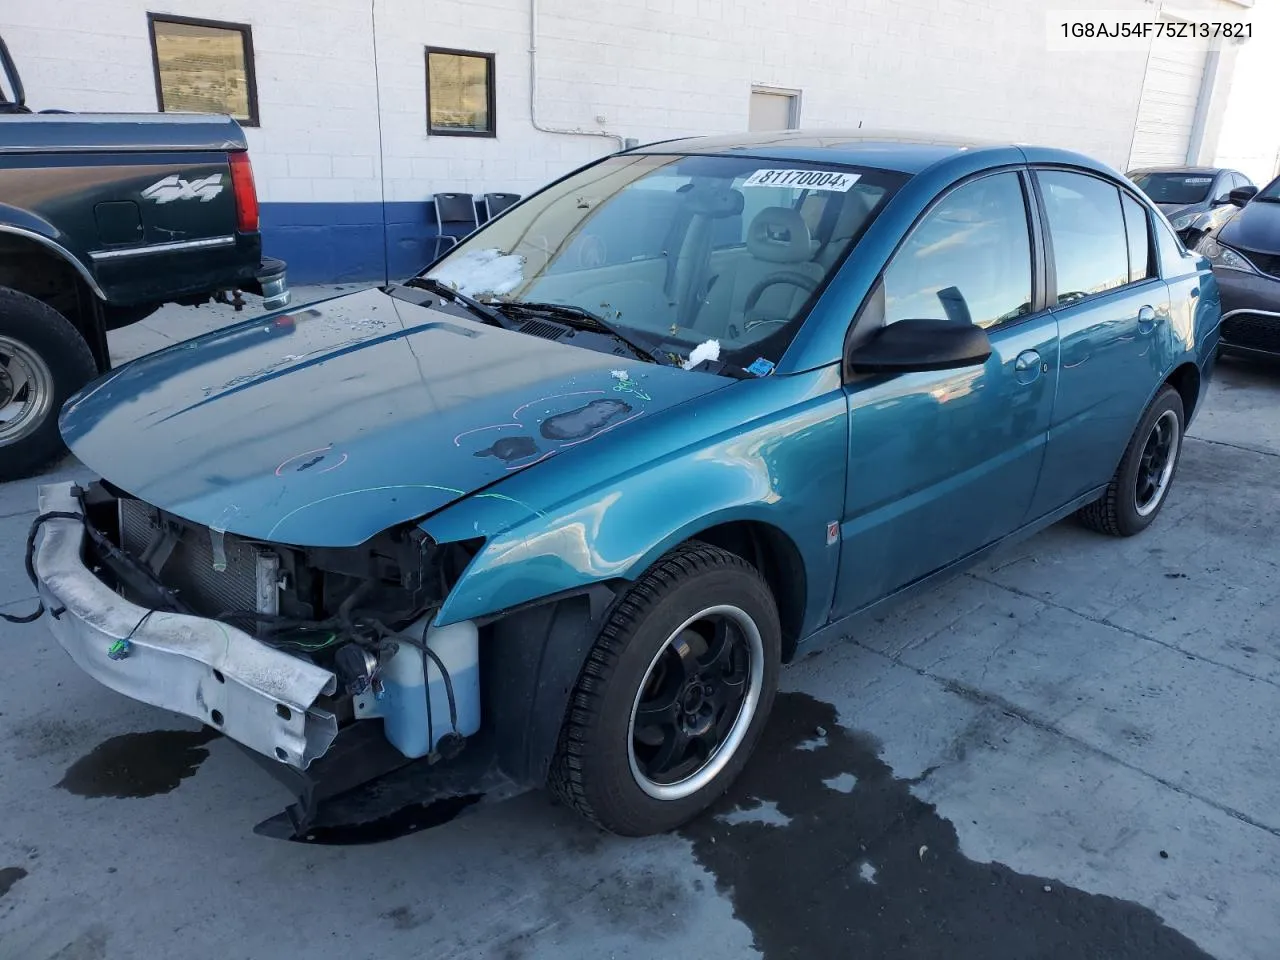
x=1087, y=230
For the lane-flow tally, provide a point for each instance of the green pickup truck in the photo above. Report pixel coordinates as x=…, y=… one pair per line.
x=103, y=219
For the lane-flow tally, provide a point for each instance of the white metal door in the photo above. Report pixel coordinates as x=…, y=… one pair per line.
x=771, y=111
x=1167, y=114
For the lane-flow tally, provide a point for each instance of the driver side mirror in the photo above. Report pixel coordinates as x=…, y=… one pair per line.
x=913, y=345
x=1242, y=195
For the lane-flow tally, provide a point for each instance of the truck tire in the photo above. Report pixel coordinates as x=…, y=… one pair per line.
x=43, y=361
x=673, y=696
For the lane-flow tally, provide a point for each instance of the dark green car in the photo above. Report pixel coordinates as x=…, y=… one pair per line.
x=103, y=219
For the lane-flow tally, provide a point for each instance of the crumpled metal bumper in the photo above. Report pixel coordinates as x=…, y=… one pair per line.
x=202, y=668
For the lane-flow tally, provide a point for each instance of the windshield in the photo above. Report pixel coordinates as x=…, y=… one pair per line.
x=1176, y=188
x=676, y=251
x=1271, y=191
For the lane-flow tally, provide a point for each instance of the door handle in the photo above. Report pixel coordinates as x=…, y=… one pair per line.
x=1146, y=319
x=1027, y=366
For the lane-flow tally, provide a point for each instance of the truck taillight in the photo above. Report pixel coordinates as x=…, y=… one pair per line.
x=245, y=193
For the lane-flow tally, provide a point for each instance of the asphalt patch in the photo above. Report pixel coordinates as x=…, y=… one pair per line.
x=138, y=764
x=843, y=861
x=8, y=877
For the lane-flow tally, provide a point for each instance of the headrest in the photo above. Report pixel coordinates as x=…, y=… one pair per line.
x=779, y=235
x=713, y=202
x=853, y=213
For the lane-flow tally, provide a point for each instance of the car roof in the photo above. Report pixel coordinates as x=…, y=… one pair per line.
x=903, y=152
x=909, y=152
x=1182, y=169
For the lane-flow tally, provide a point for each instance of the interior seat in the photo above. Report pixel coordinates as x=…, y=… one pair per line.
x=779, y=243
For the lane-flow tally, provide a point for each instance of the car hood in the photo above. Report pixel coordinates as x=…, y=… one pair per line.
x=328, y=424
x=1256, y=227
x=1175, y=210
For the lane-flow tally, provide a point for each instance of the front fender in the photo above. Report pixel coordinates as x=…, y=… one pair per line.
x=772, y=451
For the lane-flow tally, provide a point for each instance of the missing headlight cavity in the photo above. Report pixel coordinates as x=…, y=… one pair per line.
x=309, y=601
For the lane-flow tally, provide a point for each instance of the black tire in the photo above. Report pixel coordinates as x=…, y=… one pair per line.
x=44, y=332
x=593, y=767
x=1119, y=511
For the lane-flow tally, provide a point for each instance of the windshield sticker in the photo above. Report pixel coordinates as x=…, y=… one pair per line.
x=1198, y=181
x=809, y=179
x=481, y=272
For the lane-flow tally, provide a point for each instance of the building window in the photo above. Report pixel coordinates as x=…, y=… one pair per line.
x=204, y=66
x=460, y=100
x=773, y=109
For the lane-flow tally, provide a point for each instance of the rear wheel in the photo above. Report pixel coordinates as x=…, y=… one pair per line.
x=1141, y=483
x=43, y=360
x=673, y=696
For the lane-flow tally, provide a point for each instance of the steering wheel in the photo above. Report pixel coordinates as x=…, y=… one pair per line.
x=789, y=277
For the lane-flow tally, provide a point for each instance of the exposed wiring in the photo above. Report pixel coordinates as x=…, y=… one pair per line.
x=30, y=562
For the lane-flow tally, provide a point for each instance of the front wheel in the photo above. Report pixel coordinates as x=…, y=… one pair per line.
x=43, y=360
x=673, y=695
x=1142, y=480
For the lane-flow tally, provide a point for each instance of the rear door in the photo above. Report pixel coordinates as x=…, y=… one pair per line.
x=1112, y=309
x=942, y=463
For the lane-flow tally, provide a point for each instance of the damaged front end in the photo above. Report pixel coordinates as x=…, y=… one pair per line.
x=279, y=647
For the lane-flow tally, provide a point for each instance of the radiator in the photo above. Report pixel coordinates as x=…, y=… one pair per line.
x=247, y=581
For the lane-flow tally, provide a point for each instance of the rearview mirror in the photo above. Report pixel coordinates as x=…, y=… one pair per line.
x=911, y=345
x=1242, y=195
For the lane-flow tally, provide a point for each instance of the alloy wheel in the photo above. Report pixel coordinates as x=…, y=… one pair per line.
x=696, y=703
x=1155, y=469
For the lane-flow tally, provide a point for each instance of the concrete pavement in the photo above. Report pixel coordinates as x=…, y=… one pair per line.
x=1070, y=751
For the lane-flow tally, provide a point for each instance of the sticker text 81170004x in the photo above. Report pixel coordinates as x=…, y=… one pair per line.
x=807, y=179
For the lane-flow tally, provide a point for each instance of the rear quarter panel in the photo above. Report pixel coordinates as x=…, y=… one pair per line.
x=1195, y=309
x=772, y=450
x=57, y=194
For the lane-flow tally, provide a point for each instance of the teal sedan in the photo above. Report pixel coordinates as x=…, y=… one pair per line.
x=562, y=504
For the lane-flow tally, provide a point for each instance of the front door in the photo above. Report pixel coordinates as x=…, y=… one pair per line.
x=942, y=463
x=1113, y=318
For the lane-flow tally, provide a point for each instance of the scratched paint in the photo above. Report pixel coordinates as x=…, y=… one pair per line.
x=510, y=449
x=584, y=421
x=566, y=428
x=308, y=459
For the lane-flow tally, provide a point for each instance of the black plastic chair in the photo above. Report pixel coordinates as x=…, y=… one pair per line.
x=455, y=217
x=496, y=203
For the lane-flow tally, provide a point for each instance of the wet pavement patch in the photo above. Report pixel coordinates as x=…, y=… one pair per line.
x=8, y=877
x=401, y=823
x=861, y=867
x=138, y=764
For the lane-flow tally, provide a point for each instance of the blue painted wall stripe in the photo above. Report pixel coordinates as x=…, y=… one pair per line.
x=348, y=242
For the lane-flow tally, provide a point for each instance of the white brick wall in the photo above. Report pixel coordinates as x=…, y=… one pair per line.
x=652, y=68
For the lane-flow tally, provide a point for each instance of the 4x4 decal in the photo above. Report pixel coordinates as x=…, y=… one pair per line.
x=174, y=187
